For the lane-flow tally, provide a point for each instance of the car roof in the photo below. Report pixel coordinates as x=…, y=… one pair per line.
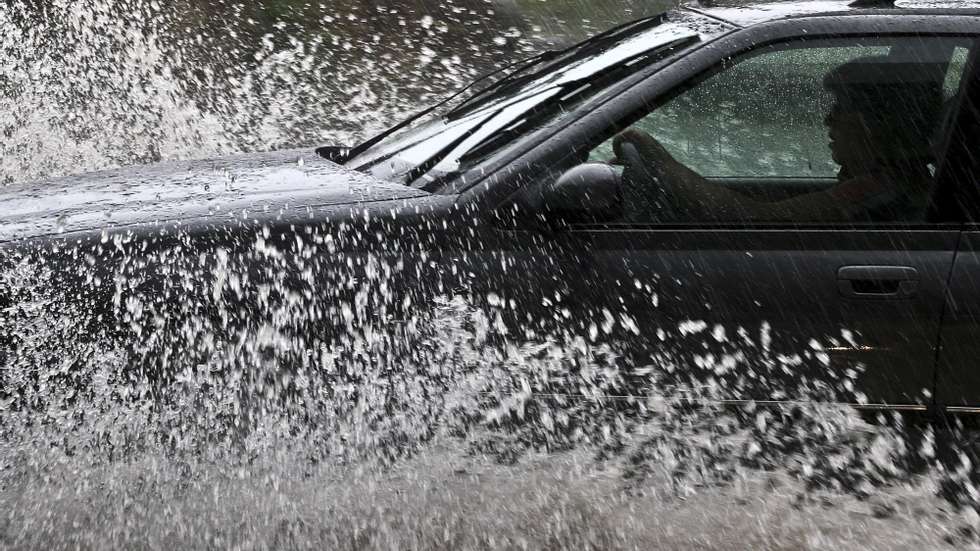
x=747, y=12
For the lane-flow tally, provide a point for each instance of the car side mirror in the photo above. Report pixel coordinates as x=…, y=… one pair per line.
x=589, y=192
x=335, y=153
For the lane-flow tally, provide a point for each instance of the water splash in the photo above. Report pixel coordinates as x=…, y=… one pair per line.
x=91, y=84
x=244, y=417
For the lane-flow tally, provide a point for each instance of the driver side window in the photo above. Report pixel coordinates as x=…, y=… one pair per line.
x=826, y=130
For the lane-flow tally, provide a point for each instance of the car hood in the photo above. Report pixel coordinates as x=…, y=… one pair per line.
x=243, y=186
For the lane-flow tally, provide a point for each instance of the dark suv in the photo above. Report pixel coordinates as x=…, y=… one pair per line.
x=669, y=176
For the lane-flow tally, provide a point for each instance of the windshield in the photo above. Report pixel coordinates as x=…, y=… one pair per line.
x=519, y=103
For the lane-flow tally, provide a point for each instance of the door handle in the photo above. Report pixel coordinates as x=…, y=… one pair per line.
x=877, y=282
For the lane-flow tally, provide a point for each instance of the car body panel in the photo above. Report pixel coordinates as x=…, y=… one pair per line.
x=784, y=287
x=184, y=190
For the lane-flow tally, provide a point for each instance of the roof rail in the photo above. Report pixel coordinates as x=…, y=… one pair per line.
x=872, y=4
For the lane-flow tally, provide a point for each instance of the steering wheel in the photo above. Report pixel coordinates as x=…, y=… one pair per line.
x=645, y=198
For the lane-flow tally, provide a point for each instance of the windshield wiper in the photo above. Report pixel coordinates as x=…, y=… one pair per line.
x=580, y=49
x=341, y=155
x=578, y=89
x=574, y=90
x=425, y=166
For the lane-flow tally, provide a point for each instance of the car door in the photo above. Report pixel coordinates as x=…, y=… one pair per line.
x=793, y=307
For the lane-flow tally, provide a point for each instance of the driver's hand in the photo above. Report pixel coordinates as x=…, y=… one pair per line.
x=647, y=146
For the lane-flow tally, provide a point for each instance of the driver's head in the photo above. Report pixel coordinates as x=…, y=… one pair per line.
x=883, y=111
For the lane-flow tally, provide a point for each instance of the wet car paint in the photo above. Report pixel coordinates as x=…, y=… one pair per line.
x=206, y=190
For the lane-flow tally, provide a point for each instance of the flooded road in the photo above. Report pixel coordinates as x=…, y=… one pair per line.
x=442, y=435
